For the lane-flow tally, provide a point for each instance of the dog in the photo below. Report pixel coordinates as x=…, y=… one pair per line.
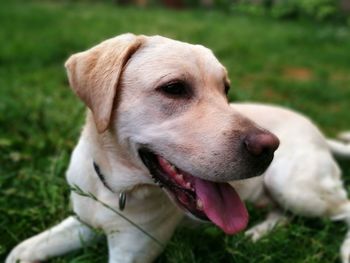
x=141, y=124
x=303, y=178
x=158, y=116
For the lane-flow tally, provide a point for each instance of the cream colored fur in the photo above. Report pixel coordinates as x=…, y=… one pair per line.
x=303, y=178
x=116, y=80
x=119, y=81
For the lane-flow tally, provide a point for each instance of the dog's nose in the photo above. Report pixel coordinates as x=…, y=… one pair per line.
x=261, y=144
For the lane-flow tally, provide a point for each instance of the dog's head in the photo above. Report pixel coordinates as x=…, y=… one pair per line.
x=165, y=103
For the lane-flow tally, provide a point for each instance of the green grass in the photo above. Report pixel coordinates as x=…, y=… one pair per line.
x=297, y=64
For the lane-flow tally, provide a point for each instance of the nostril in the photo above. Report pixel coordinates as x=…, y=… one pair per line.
x=259, y=144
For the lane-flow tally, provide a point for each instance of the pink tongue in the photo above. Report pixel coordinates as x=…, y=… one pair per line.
x=222, y=205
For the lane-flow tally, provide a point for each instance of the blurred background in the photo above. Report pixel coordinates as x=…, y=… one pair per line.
x=294, y=53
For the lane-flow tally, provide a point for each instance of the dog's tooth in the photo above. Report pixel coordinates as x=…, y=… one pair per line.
x=166, y=162
x=163, y=161
x=172, y=168
x=199, y=204
x=180, y=177
x=188, y=185
x=167, y=165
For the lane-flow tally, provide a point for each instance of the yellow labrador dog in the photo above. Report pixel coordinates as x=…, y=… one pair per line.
x=158, y=114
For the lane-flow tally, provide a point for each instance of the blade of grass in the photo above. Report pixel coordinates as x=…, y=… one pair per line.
x=76, y=189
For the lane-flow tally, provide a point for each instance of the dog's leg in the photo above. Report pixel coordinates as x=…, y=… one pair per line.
x=273, y=219
x=130, y=245
x=343, y=213
x=345, y=249
x=317, y=191
x=344, y=136
x=340, y=149
x=69, y=235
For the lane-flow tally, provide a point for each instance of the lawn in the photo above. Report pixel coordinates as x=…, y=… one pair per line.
x=299, y=64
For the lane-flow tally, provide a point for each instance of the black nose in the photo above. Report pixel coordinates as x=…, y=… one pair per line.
x=262, y=144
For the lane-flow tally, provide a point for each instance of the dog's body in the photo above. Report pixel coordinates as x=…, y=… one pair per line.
x=303, y=179
x=135, y=121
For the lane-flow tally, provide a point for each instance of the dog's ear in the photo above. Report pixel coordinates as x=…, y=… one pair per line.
x=227, y=80
x=94, y=74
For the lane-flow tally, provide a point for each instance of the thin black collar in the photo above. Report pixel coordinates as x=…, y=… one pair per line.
x=101, y=176
x=122, y=195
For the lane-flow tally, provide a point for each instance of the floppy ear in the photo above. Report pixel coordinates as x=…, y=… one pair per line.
x=227, y=80
x=94, y=74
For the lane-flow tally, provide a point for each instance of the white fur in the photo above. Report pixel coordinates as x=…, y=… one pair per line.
x=131, y=68
x=303, y=178
x=344, y=136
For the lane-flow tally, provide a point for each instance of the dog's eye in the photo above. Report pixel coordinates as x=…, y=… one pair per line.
x=176, y=88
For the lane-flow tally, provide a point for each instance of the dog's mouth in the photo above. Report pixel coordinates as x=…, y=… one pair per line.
x=206, y=200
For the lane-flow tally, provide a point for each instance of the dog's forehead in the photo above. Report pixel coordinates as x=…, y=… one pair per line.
x=163, y=56
x=174, y=49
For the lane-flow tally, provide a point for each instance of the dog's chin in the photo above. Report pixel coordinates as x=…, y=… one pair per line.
x=203, y=199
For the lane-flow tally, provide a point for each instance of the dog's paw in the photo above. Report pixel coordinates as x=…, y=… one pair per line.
x=274, y=219
x=345, y=257
x=345, y=250
x=22, y=253
x=257, y=232
x=344, y=136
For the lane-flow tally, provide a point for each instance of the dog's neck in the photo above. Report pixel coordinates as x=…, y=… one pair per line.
x=101, y=176
x=120, y=173
x=122, y=194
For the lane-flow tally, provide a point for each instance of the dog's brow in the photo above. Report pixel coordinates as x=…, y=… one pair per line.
x=162, y=77
x=174, y=76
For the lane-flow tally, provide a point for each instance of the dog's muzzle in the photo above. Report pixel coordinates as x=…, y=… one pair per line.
x=206, y=200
